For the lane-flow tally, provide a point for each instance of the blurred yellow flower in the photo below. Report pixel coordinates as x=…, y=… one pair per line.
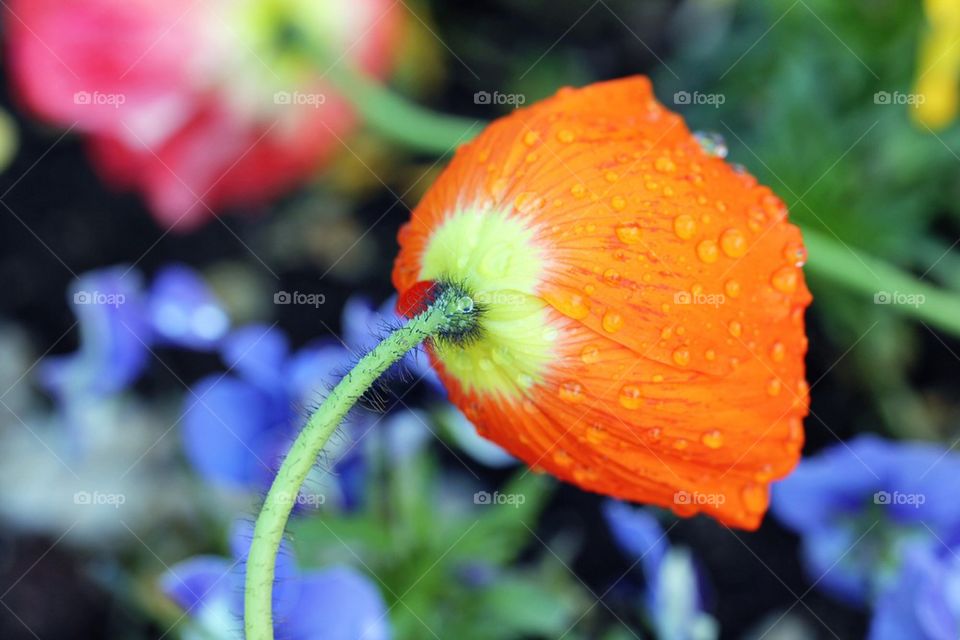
x=938, y=71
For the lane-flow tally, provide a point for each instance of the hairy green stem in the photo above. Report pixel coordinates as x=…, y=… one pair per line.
x=452, y=313
x=882, y=282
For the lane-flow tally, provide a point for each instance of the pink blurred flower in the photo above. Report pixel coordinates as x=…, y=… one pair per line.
x=194, y=103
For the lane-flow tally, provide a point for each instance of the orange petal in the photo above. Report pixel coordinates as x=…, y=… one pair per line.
x=673, y=283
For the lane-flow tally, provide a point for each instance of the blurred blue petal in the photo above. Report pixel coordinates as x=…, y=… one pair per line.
x=197, y=581
x=257, y=353
x=924, y=602
x=857, y=505
x=114, y=336
x=675, y=604
x=639, y=536
x=465, y=435
x=337, y=604
x=314, y=370
x=184, y=311
x=233, y=432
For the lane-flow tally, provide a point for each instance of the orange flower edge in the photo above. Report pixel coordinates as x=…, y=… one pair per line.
x=643, y=334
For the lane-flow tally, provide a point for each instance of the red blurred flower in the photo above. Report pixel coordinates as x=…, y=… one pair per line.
x=193, y=102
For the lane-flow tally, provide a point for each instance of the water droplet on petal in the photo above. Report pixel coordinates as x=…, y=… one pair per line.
x=785, y=279
x=777, y=352
x=708, y=251
x=795, y=253
x=629, y=233
x=732, y=288
x=590, y=354
x=665, y=165
x=562, y=458
x=631, y=396
x=736, y=329
x=755, y=497
x=684, y=226
x=712, y=439
x=578, y=190
x=619, y=203
x=566, y=136
x=682, y=357
x=612, y=276
x=733, y=243
x=530, y=138
x=612, y=321
x=571, y=391
x=712, y=143
x=774, y=387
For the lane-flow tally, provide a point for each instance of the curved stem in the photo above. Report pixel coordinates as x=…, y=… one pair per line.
x=881, y=281
x=451, y=312
x=400, y=120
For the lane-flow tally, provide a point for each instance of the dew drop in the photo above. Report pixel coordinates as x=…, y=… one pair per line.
x=710, y=355
x=612, y=276
x=785, y=279
x=777, y=352
x=755, y=497
x=736, y=329
x=590, y=354
x=733, y=243
x=712, y=143
x=774, y=386
x=708, y=251
x=629, y=233
x=681, y=357
x=619, y=203
x=562, y=458
x=732, y=288
x=530, y=138
x=595, y=434
x=574, y=307
x=565, y=136
x=795, y=253
x=612, y=321
x=712, y=439
x=571, y=391
x=684, y=226
x=680, y=444
x=630, y=396
x=611, y=176
x=657, y=378
x=578, y=190
x=665, y=165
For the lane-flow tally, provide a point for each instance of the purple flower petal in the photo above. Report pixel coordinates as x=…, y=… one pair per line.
x=198, y=581
x=114, y=336
x=639, y=535
x=337, y=604
x=184, y=311
x=234, y=432
x=257, y=353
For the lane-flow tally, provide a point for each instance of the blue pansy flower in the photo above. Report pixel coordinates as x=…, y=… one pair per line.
x=335, y=603
x=858, y=505
x=238, y=425
x=924, y=601
x=120, y=322
x=673, y=600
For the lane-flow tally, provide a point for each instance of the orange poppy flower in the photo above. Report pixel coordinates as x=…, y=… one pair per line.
x=642, y=328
